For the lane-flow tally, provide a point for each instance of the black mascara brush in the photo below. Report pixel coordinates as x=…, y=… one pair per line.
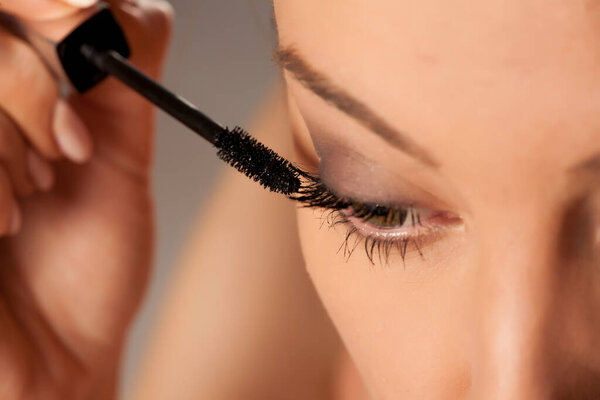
x=235, y=146
x=98, y=48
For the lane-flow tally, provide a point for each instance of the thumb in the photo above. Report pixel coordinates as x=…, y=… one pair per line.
x=43, y=9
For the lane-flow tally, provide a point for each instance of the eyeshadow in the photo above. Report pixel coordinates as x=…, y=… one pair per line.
x=352, y=166
x=351, y=174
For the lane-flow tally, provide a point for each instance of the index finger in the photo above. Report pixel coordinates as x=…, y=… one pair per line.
x=43, y=9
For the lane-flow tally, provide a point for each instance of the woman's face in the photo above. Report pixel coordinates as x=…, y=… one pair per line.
x=467, y=135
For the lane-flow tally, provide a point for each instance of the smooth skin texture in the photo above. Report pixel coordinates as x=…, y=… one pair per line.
x=72, y=277
x=241, y=318
x=505, y=96
x=501, y=94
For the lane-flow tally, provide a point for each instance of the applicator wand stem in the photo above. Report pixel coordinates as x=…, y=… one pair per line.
x=114, y=64
x=98, y=48
x=236, y=147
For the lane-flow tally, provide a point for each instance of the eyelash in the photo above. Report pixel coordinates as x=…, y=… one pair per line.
x=343, y=211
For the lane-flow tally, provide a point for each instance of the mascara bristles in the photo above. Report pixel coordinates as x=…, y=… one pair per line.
x=258, y=162
x=314, y=192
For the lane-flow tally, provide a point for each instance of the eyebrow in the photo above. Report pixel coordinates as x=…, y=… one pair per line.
x=289, y=59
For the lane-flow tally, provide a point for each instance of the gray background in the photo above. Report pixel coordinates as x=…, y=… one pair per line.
x=220, y=59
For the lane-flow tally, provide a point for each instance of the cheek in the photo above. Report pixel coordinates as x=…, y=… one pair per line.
x=403, y=326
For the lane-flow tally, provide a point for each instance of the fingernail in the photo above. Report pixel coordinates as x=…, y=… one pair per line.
x=15, y=220
x=71, y=134
x=80, y=3
x=40, y=171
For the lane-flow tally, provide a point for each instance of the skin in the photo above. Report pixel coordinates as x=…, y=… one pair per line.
x=243, y=324
x=504, y=303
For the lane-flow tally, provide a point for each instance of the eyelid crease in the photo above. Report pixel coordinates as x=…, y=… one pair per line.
x=354, y=171
x=315, y=193
x=303, y=153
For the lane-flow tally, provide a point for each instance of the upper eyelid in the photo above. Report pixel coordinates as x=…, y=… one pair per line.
x=303, y=152
x=389, y=204
x=343, y=201
x=288, y=58
x=335, y=156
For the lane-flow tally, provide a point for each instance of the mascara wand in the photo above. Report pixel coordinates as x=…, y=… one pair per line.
x=236, y=146
x=97, y=48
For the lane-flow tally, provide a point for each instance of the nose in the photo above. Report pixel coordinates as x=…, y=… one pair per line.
x=531, y=327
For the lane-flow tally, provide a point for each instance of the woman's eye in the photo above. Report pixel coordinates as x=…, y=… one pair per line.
x=381, y=229
x=388, y=221
x=381, y=216
x=384, y=229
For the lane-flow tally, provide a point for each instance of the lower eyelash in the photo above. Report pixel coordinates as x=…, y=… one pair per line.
x=314, y=194
x=383, y=245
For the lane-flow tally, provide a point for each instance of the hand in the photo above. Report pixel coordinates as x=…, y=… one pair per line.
x=72, y=277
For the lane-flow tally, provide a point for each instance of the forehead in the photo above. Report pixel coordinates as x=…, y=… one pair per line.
x=519, y=78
